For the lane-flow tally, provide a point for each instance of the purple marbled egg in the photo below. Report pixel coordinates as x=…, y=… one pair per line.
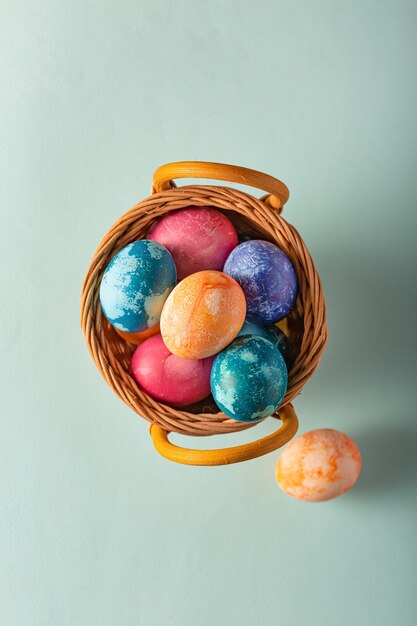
x=267, y=278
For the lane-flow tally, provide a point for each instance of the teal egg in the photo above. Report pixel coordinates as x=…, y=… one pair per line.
x=249, y=379
x=272, y=333
x=135, y=285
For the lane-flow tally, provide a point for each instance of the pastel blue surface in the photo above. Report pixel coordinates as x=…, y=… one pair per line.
x=136, y=284
x=272, y=333
x=249, y=379
x=267, y=278
x=97, y=529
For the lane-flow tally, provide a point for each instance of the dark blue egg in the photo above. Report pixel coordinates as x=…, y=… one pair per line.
x=272, y=333
x=267, y=278
x=249, y=379
x=135, y=285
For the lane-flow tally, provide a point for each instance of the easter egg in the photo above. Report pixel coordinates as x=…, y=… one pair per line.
x=319, y=465
x=137, y=338
x=249, y=379
x=166, y=377
x=199, y=238
x=272, y=333
x=136, y=284
x=267, y=278
x=283, y=325
x=202, y=315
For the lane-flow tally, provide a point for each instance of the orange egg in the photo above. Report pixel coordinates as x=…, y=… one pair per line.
x=320, y=465
x=137, y=338
x=202, y=315
x=283, y=325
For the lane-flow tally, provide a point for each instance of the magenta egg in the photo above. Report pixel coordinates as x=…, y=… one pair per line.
x=199, y=238
x=168, y=378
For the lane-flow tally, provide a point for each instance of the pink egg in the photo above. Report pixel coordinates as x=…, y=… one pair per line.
x=199, y=238
x=319, y=465
x=168, y=378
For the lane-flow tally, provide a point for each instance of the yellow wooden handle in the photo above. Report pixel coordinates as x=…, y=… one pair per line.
x=164, y=175
x=225, y=456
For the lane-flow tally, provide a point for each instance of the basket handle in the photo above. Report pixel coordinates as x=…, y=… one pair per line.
x=225, y=456
x=278, y=193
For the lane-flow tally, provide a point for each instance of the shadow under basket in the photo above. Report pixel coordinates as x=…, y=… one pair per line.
x=253, y=218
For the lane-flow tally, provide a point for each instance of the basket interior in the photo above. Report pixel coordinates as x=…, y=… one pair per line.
x=247, y=229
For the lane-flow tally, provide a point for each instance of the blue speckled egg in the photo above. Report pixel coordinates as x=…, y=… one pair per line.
x=135, y=285
x=267, y=278
x=249, y=379
x=272, y=333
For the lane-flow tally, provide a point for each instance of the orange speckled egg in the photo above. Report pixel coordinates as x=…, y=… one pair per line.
x=137, y=338
x=319, y=465
x=202, y=315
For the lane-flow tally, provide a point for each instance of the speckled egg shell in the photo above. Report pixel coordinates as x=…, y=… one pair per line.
x=267, y=278
x=202, y=315
x=272, y=333
x=199, y=238
x=136, y=284
x=249, y=379
x=167, y=378
x=319, y=465
x=137, y=338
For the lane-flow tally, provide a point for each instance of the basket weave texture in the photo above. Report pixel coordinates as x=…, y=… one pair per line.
x=253, y=218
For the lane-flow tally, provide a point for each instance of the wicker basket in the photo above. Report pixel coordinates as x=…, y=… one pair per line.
x=252, y=217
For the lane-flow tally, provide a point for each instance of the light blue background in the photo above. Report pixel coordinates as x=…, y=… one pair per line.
x=95, y=527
